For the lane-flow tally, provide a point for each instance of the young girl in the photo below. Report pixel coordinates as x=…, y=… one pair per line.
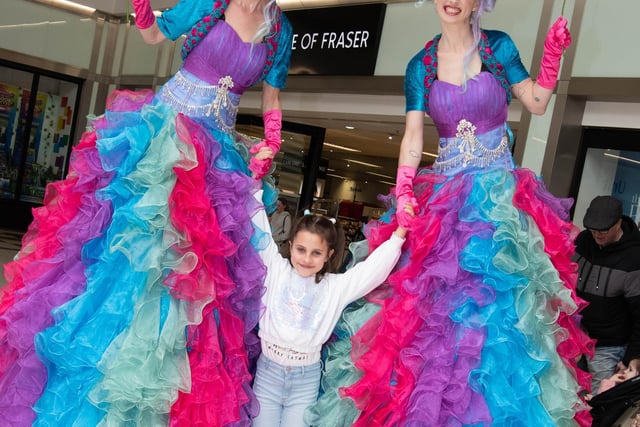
x=616, y=403
x=304, y=300
x=631, y=371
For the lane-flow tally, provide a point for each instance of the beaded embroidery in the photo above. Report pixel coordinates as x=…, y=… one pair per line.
x=487, y=56
x=468, y=150
x=466, y=132
x=198, y=99
x=222, y=99
x=202, y=28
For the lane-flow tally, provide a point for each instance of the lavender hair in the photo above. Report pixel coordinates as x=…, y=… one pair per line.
x=269, y=13
x=483, y=6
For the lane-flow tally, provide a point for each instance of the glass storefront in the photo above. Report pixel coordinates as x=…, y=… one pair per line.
x=291, y=162
x=37, y=114
x=611, y=167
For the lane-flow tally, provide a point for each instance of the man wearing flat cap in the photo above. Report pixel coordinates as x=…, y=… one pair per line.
x=608, y=257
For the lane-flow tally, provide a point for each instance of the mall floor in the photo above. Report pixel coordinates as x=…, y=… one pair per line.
x=9, y=246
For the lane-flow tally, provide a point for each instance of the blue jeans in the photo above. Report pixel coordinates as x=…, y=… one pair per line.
x=603, y=364
x=284, y=393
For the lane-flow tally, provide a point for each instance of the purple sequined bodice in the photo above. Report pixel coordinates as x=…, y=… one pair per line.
x=471, y=123
x=214, y=76
x=222, y=53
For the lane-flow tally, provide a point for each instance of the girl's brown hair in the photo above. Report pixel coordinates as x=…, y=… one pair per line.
x=331, y=233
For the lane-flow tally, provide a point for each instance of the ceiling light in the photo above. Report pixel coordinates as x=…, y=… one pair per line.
x=390, y=137
x=626, y=159
x=363, y=163
x=388, y=183
x=337, y=176
x=326, y=144
x=34, y=24
x=379, y=174
x=69, y=5
x=430, y=154
x=350, y=127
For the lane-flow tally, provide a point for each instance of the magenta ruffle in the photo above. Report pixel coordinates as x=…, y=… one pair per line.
x=227, y=281
x=47, y=273
x=457, y=342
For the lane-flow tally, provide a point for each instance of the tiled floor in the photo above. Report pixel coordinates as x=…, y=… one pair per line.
x=9, y=246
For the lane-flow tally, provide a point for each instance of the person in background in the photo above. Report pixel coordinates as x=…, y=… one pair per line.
x=481, y=328
x=608, y=257
x=303, y=301
x=616, y=403
x=280, y=222
x=136, y=295
x=632, y=370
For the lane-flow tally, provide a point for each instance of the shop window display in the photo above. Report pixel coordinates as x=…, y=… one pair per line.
x=35, y=132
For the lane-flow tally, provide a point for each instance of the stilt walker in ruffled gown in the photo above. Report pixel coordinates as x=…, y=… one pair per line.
x=481, y=325
x=135, y=296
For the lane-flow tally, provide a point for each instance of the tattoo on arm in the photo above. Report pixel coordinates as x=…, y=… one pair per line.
x=414, y=154
x=520, y=91
x=533, y=93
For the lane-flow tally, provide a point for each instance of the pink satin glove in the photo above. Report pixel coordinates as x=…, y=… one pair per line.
x=144, y=14
x=558, y=39
x=272, y=139
x=404, y=195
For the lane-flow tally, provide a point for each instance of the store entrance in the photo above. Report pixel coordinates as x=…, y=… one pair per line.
x=38, y=112
x=300, y=172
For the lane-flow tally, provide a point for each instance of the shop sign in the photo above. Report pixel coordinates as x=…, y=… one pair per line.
x=336, y=41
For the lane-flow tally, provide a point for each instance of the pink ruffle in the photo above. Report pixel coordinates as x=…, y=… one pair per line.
x=560, y=250
x=218, y=356
x=61, y=203
x=376, y=346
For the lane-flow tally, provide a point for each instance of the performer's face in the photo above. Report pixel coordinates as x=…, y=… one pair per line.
x=453, y=11
x=309, y=253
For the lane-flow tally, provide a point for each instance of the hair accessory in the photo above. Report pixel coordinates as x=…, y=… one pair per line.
x=333, y=220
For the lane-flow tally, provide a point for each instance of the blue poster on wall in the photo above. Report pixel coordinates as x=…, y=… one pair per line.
x=9, y=103
x=626, y=185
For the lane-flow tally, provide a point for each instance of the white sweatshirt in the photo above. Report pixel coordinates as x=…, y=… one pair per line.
x=301, y=314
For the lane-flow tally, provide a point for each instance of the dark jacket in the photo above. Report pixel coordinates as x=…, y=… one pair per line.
x=609, y=279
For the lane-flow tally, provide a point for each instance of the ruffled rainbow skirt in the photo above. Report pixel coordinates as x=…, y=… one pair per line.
x=479, y=323
x=136, y=294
